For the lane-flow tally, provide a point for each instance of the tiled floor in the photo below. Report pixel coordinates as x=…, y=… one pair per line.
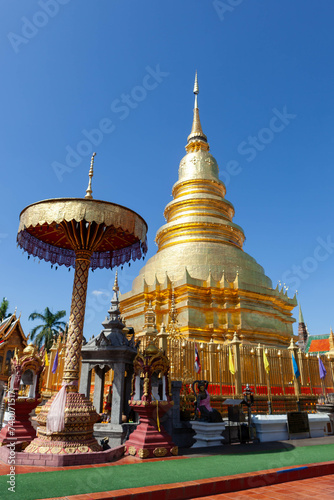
x=318, y=487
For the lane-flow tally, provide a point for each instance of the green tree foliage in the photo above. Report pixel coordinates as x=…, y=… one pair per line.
x=4, y=309
x=49, y=329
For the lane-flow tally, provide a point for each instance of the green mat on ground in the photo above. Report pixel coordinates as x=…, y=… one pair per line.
x=41, y=485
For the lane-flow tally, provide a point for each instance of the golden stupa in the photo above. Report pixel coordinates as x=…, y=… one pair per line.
x=200, y=267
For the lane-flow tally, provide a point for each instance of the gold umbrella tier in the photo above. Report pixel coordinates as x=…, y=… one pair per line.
x=53, y=229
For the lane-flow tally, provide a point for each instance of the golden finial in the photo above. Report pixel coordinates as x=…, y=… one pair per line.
x=89, y=189
x=115, y=287
x=197, y=140
x=196, y=90
x=331, y=340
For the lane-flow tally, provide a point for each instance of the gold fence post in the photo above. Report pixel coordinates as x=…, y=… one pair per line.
x=330, y=357
x=237, y=365
x=309, y=372
x=259, y=363
x=301, y=367
x=322, y=381
x=270, y=409
x=279, y=354
x=220, y=366
x=296, y=380
x=201, y=357
x=212, y=375
x=331, y=365
x=254, y=370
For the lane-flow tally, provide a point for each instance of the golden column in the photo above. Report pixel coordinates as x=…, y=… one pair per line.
x=237, y=363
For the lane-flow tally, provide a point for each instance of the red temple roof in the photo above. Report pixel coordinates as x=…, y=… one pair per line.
x=319, y=345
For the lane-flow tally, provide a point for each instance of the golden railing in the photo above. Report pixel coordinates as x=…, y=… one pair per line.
x=278, y=381
x=279, y=386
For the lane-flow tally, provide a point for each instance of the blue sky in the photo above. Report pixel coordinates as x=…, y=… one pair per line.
x=266, y=103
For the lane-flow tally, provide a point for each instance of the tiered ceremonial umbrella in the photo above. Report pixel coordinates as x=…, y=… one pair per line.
x=83, y=233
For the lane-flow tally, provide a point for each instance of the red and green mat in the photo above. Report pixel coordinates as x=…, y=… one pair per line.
x=41, y=485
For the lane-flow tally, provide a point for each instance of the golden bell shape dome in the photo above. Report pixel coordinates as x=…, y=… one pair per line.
x=151, y=349
x=30, y=349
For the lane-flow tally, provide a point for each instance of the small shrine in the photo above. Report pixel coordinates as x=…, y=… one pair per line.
x=23, y=396
x=151, y=399
x=11, y=337
x=111, y=349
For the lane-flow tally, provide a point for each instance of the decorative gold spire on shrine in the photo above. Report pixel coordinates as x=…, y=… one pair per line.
x=90, y=174
x=116, y=287
x=331, y=341
x=198, y=206
x=173, y=326
x=197, y=140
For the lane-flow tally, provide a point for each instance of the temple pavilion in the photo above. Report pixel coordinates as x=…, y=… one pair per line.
x=11, y=337
x=201, y=269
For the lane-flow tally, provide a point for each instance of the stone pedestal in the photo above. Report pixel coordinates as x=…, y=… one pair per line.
x=114, y=432
x=148, y=441
x=207, y=433
x=117, y=433
x=19, y=428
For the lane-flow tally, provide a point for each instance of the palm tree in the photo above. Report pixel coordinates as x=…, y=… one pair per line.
x=49, y=329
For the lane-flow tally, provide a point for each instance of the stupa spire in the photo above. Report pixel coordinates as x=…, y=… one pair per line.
x=302, y=331
x=301, y=318
x=197, y=140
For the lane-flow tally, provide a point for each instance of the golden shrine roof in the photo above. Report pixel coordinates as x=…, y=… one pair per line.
x=8, y=326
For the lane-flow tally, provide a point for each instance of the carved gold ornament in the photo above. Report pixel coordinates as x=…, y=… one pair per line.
x=142, y=453
x=160, y=452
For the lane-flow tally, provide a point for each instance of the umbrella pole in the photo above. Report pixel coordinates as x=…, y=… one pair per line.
x=77, y=316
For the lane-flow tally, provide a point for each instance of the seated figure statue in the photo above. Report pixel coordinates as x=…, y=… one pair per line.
x=203, y=410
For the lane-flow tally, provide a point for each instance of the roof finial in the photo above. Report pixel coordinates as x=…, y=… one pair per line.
x=89, y=189
x=197, y=140
x=115, y=287
x=196, y=90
